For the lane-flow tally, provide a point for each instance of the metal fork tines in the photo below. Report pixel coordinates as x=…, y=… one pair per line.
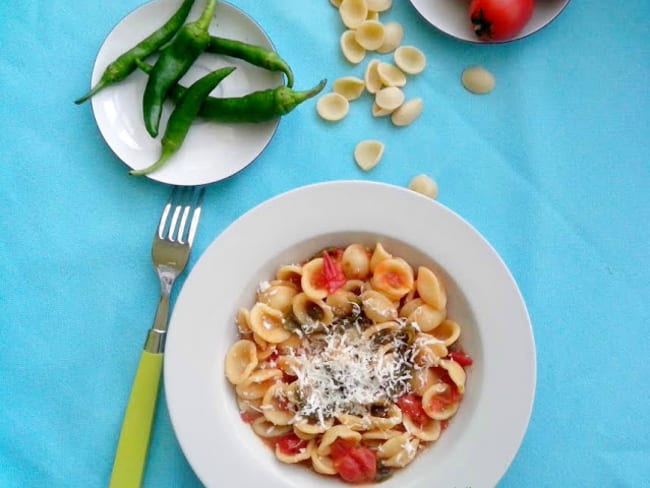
x=171, y=251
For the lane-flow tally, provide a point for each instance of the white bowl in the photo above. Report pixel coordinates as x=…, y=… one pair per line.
x=451, y=17
x=484, y=436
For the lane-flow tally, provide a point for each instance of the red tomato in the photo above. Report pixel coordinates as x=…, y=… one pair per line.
x=290, y=444
x=354, y=464
x=331, y=275
x=411, y=405
x=249, y=417
x=498, y=20
x=461, y=358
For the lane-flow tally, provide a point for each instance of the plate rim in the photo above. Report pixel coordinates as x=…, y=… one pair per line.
x=527, y=393
x=96, y=72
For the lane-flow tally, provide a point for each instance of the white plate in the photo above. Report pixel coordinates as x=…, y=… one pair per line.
x=211, y=151
x=485, y=435
x=451, y=17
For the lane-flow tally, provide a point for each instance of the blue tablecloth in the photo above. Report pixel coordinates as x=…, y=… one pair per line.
x=553, y=168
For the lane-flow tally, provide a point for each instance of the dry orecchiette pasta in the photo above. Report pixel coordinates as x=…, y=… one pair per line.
x=348, y=354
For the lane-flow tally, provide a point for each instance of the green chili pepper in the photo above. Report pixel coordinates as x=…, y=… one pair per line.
x=125, y=64
x=174, y=61
x=183, y=115
x=255, y=55
x=259, y=106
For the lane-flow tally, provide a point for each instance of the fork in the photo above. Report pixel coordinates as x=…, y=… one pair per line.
x=170, y=253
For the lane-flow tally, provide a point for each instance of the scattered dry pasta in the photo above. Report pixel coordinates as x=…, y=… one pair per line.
x=346, y=356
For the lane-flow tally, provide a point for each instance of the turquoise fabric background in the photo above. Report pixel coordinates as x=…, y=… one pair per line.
x=552, y=168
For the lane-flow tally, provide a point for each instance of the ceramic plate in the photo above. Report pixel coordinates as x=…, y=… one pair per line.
x=484, y=436
x=450, y=16
x=211, y=151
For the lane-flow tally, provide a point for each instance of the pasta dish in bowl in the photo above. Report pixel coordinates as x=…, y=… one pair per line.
x=357, y=344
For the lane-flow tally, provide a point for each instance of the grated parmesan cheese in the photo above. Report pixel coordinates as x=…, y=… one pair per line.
x=339, y=372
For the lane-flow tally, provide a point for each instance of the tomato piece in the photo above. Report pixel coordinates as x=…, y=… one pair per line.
x=290, y=444
x=332, y=274
x=411, y=405
x=249, y=417
x=341, y=447
x=499, y=20
x=461, y=358
x=354, y=464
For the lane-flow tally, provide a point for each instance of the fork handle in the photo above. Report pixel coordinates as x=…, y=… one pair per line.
x=131, y=455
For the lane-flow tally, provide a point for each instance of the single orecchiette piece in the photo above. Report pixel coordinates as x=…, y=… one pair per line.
x=353, y=12
x=398, y=451
x=425, y=185
x=308, y=310
x=332, y=107
x=431, y=289
x=351, y=49
x=370, y=34
x=274, y=405
x=390, y=75
x=429, y=431
x=410, y=59
x=266, y=429
x=313, y=427
x=336, y=432
x=371, y=77
x=406, y=113
x=243, y=321
x=393, y=35
x=241, y=360
x=355, y=262
x=342, y=302
x=389, y=98
x=448, y=332
x=409, y=307
x=350, y=87
x=422, y=380
x=354, y=422
x=368, y=153
x=378, y=255
x=290, y=273
x=427, y=318
x=393, y=277
x=302, y=455
x=456, y=373
x=257, y=383
x=310, y=281
x=377, y=306
x=436, y=404
x=278, y=296
x=268, y=323
x=322, y=464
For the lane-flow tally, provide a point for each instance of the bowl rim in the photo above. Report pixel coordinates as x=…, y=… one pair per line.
x=196, y=390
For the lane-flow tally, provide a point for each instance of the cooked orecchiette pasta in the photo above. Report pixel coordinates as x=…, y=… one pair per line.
x=348, y=355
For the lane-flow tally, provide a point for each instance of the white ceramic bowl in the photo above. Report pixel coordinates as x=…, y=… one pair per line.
x=484, y=436
x=451, y=17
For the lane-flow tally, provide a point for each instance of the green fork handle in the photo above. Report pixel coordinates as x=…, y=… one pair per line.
x=131, y=455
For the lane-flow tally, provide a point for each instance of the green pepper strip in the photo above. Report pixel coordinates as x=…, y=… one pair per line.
x=125, y=64
x=259, y=106
x=183, y=115
x=255, y=55
x=174, y=61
